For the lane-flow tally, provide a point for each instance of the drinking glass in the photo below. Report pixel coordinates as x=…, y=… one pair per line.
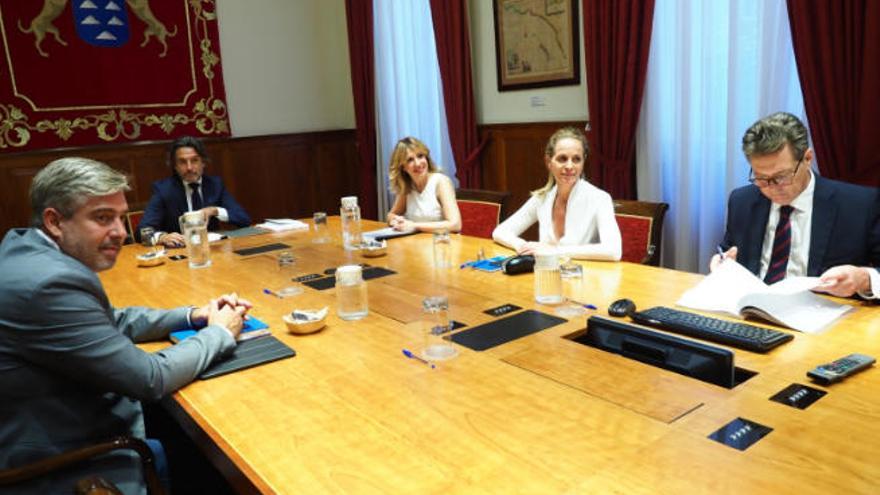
x=320, y=225
x=572, y=291
x=437, y=347
x=147, y=240
x=442, y=247
x=548, y=281
x=194, y=227
x=352, y=300
x=286, y=268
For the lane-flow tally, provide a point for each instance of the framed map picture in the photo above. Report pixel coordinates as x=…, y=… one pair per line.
x=536, y=43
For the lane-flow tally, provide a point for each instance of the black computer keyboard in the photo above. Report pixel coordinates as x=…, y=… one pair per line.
x=748, y=337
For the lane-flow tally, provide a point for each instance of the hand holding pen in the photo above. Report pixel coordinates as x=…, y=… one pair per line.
x=722, y=255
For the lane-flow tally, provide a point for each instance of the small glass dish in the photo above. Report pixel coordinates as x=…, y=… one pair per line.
x=151, y=258
x=373, y=248
x=305, y=321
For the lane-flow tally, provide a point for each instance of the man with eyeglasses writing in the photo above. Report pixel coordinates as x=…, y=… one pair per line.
x=792, y=222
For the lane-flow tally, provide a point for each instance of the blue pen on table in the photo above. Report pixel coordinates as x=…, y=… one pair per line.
x=585, y=305
x=272, y=293
x=409, y=354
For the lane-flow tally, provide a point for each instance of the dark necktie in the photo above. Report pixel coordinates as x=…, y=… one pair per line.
x=196, y=196
x=781, y=247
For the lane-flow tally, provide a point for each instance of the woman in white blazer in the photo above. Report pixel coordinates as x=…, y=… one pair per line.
x=575, y=218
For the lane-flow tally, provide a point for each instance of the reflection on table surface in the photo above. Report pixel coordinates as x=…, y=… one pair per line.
x=540, y=414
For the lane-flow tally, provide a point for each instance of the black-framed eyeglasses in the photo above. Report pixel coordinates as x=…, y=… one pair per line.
x=783, y=179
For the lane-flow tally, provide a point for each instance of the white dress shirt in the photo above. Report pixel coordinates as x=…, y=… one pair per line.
x=222, y=214
x=801, y=222
x=801, y=226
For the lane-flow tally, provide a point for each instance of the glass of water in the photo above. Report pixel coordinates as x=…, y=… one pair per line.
x=438, y=325
x=286, y=268
x=548, y=280
x=147, y=234
x=319, y=220
x=572, y=291
x=442, y=247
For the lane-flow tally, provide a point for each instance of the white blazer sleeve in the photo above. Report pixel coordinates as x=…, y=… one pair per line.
x=508, y=232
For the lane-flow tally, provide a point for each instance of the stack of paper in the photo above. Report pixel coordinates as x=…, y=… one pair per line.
x=282, y=224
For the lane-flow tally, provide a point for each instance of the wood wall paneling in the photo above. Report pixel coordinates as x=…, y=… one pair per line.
x=287, y=175
x=290, y=175
x=513, y=160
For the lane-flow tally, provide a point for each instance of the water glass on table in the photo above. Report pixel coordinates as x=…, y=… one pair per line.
x=548, y=280
x=572, y=291
x=319, y=220
x=442, y=248
x=351, y=293
x=286, y=268
x=437, y=326
x=194, y=227
x=147, y=241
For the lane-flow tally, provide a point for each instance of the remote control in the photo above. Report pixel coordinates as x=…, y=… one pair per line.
x=826, y=374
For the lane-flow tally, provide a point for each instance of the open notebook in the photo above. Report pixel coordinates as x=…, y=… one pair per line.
x=732, y=289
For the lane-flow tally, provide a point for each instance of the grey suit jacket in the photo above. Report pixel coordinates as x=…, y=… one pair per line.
x=70, y=373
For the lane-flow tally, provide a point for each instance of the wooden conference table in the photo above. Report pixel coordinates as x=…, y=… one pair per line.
x=541, y=414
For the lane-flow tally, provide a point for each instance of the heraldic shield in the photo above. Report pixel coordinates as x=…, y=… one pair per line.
x=101, y=22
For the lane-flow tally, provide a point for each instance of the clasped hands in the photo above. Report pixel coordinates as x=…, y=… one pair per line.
x=532, y=247
x=840, y=281
x=399, y=222
x=227, y=310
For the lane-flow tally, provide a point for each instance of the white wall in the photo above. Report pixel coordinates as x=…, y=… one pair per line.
x=285, y=65
x=493, y=107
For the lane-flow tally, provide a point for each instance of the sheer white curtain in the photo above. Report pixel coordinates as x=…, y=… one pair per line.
x=715, y=67
x=409, y=94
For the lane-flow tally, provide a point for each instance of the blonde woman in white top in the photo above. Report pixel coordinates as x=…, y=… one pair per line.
x=575, y=218
x=425, y=197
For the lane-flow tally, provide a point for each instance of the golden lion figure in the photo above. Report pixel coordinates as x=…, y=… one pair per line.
x=42, y=24
x=141, y=8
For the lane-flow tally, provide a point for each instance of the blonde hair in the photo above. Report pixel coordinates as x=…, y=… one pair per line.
x=400, y=181
x=560, y=134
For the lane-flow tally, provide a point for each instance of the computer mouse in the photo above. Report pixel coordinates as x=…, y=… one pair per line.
x=621, y=307
x=524, y=263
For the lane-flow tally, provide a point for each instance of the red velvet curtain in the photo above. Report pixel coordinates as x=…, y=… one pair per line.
x=454, y=56
x=837, y=48
x=359, y=16
x=617, y=37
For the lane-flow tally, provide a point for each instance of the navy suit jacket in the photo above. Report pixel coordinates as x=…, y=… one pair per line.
x=168, y=203
x=845, y=227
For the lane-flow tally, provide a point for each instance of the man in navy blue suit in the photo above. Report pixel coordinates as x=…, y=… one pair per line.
x=792, y=222
x=189, y=190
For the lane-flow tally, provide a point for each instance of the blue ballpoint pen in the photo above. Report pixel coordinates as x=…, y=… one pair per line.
x=409, y=354
x=272, y=293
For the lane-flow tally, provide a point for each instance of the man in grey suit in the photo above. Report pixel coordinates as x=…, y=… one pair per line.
x=70, y=372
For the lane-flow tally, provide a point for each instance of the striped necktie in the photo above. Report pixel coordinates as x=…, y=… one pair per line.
x=781, y=247
x=196, y=196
